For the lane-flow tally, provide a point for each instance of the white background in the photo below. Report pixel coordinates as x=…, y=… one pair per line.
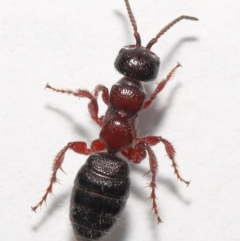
x=73, y=44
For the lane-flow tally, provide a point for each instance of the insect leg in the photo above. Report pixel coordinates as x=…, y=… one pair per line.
x=171, y=154
x=153, y=140
x=136, y=155
x=105, y=94
x=160, y=87
x=92, y=105
x=153, y=169
x=79, y=147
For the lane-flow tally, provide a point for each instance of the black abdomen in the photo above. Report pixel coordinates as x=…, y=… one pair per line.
x=100, y=191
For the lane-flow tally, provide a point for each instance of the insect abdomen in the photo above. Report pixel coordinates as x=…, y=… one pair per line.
x=100, y=191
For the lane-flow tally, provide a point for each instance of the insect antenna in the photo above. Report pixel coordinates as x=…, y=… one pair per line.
x=166, y=28
x=134, y=24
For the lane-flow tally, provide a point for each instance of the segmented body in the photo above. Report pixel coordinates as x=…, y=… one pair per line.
x=100, y=191
x=125, y=101
x=101, y=186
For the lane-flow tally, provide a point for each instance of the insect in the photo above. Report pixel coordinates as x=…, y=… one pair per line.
x=101, y=186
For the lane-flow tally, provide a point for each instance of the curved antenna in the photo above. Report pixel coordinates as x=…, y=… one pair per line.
x=134, y=24
x=165, y=29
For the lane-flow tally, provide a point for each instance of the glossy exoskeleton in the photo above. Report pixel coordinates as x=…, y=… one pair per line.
x=100, y=192
x=102, y=184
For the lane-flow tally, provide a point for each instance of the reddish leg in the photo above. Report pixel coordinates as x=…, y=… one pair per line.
x=105, y=94
x=160, y=87
x=153, y=169
x=105, y=98
x=92, y=106
x=136, y=155
x=153, y=140
x=171, y=154
x=80, y=148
